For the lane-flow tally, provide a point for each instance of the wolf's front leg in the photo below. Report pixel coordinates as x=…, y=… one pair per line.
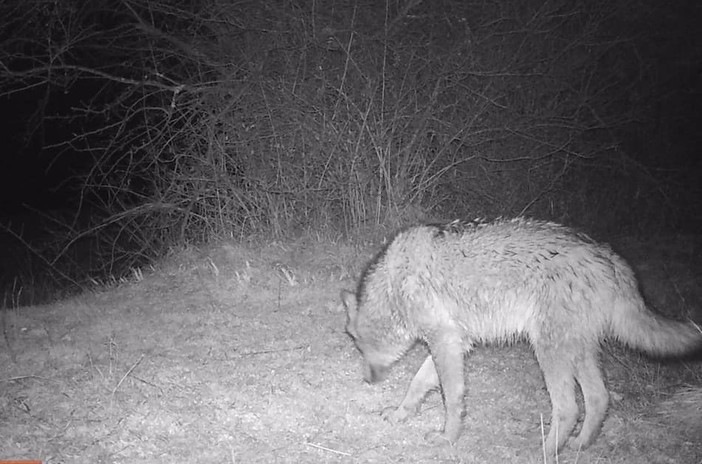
x=425, y=380
x=447, y=351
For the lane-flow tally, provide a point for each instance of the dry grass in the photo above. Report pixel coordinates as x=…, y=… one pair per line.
x=237, y=354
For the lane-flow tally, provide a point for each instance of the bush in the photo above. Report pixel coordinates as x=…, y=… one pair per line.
x=191, y=121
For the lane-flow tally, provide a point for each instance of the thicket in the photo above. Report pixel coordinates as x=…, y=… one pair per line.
x=188, y=121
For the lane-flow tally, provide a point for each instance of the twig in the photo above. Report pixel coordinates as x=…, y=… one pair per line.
x=254, y=353
x=22, y=377
x=127, y=373
x=324, y=448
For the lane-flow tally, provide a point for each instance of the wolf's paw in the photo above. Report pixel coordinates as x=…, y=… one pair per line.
x=395, y=415
x=578, y=443
x=438, y=438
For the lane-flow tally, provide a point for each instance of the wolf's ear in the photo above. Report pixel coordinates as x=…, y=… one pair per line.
x=351, y=303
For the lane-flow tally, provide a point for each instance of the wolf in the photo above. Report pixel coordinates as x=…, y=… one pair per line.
x=465, y=283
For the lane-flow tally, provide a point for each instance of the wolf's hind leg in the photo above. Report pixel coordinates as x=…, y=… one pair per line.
x=560, y=382
x=596, y=398
x=425, y=380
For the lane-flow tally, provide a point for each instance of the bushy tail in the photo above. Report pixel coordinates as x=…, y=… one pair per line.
x=637, y=327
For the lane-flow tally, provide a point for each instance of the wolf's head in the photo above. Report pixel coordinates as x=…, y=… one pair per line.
x=380, y=341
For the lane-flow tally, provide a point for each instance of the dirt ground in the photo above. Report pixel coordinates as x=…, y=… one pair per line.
x=237, y=354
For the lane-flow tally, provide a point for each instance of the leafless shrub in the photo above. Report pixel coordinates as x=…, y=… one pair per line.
x=188, y=121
